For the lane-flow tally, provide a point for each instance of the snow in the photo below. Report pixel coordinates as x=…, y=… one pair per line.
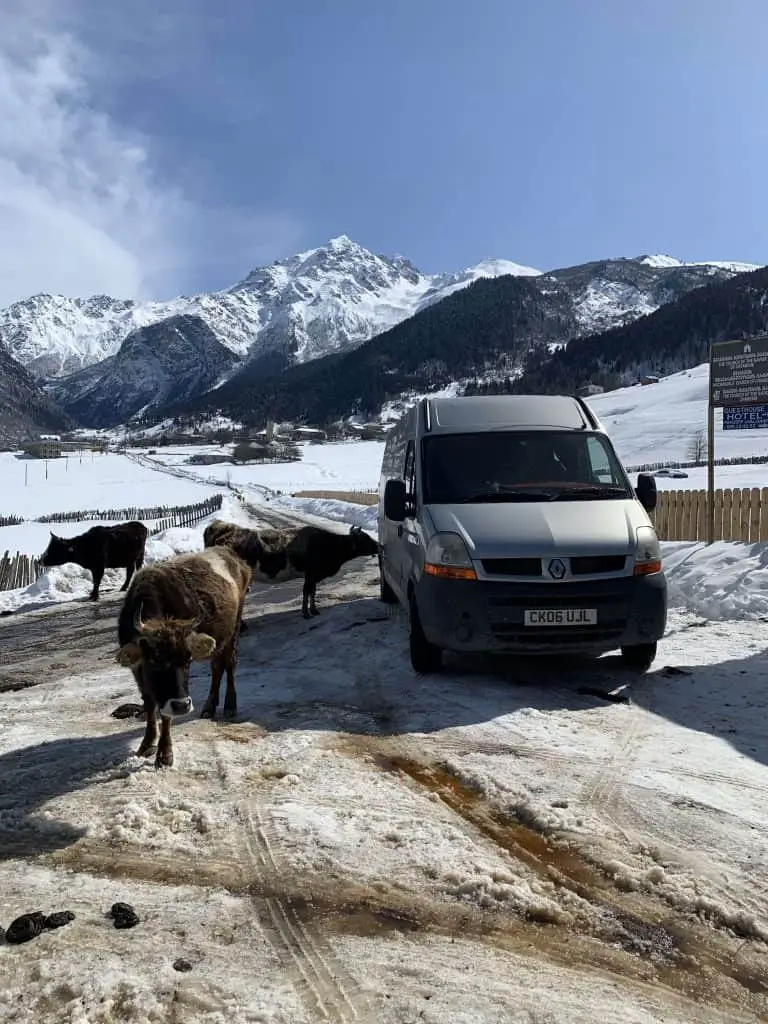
x=661, y=261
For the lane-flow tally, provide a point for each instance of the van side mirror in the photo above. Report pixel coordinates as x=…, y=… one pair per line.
x=646, y=491
x=394, y=500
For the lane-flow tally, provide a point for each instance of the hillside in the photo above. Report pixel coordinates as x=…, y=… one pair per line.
x=169, y=361
x=25, y=409
x=673, y=338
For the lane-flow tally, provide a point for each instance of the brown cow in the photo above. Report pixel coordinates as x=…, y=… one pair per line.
x=185, y=609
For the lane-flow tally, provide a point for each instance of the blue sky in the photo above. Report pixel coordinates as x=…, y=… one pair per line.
x=147, y=154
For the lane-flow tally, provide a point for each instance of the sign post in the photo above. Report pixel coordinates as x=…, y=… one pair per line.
x=738, y=380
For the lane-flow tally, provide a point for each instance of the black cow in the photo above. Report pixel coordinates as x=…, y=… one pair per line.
x=100, y=548
x=276, y=556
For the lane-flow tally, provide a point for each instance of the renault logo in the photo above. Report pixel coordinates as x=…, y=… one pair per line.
x=556, y=569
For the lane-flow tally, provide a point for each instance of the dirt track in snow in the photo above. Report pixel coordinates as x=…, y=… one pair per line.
x=352, y=814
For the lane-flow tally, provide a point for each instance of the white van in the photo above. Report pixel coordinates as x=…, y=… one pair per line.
x=508, y=523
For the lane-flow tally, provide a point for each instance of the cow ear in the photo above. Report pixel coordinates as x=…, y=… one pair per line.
x=200, y=646
x=129, y=655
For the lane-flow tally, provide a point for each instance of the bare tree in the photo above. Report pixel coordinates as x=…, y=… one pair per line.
x=697, y=447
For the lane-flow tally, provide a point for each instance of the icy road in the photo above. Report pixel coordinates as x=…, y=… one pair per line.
x=542, y=843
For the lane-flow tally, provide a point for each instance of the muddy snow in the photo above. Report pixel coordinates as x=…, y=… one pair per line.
x=524, y=841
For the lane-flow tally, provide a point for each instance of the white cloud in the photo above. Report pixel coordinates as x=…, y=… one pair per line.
x=81, y=211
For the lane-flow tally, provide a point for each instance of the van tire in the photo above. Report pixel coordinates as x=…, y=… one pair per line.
x=639, y=656
x=425, y=657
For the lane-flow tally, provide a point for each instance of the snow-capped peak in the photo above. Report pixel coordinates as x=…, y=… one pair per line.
x=662, y=261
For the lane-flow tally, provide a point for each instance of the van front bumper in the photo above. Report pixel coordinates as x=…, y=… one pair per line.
x=484, y=616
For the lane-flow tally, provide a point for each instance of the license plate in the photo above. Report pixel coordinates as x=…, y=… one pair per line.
x=561, y=617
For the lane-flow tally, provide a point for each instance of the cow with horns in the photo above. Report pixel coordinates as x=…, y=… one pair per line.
x=185, y=609
x=279, y=555
x=102, y=547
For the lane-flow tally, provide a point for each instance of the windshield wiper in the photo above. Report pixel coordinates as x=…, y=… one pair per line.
x=509, y=494
x=603, y=491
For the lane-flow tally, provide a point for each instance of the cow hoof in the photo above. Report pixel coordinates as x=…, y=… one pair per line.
x=146, y=751
x=313, y=611
x=305, y=614
x=164, y=759
x=208, y=712
x=230, y=712
x=93, y=597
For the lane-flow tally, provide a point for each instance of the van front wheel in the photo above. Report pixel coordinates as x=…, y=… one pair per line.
x=425, y=657
x=639, y=656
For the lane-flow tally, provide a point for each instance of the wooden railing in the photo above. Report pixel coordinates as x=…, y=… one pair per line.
x=741, y=514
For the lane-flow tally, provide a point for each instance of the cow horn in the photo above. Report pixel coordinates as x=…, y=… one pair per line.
x=355, y=529
x=138, y=625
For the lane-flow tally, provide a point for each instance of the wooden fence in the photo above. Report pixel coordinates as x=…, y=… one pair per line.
x=117, y=515
x=18, y=571
x=741, y=514
x=188, y=515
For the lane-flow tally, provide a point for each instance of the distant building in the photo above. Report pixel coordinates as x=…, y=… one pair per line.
x=649, y=378
x=48, y=446
x=591, y=389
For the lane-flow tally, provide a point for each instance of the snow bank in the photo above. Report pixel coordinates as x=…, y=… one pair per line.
x=331, y=508
x=719, y=581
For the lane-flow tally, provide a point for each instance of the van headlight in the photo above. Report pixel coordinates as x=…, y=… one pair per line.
x=448, y=558
x=647, y=551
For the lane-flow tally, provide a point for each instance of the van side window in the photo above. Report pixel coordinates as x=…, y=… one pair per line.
x=409, y=475
x=599, y=464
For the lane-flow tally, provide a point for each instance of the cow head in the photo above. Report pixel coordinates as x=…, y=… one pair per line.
x=362, y=543
x=165, y=650
x=58, y=552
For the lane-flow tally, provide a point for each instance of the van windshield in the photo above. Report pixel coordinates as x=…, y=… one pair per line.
x=521, y=466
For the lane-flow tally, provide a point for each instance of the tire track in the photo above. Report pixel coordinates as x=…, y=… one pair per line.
x=321, y=980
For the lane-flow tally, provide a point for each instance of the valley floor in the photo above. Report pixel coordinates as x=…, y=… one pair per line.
x=500, y=843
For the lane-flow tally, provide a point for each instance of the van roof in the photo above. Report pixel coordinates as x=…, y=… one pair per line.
x=507, y=412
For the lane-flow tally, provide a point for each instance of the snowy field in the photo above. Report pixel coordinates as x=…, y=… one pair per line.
x=343, y=466
x=91, y=482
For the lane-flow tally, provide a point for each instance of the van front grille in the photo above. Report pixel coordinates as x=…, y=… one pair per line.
x=581, y=565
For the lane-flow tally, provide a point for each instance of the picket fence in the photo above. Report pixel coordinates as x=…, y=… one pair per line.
x=741, y=514
x=20, y=570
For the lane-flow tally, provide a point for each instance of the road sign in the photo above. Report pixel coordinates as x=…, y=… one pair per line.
x=745, y=417
x=738, y=373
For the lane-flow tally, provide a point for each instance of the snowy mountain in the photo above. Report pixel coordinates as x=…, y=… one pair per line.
x=178, y=358
x=310, y=304
x=313, y=304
